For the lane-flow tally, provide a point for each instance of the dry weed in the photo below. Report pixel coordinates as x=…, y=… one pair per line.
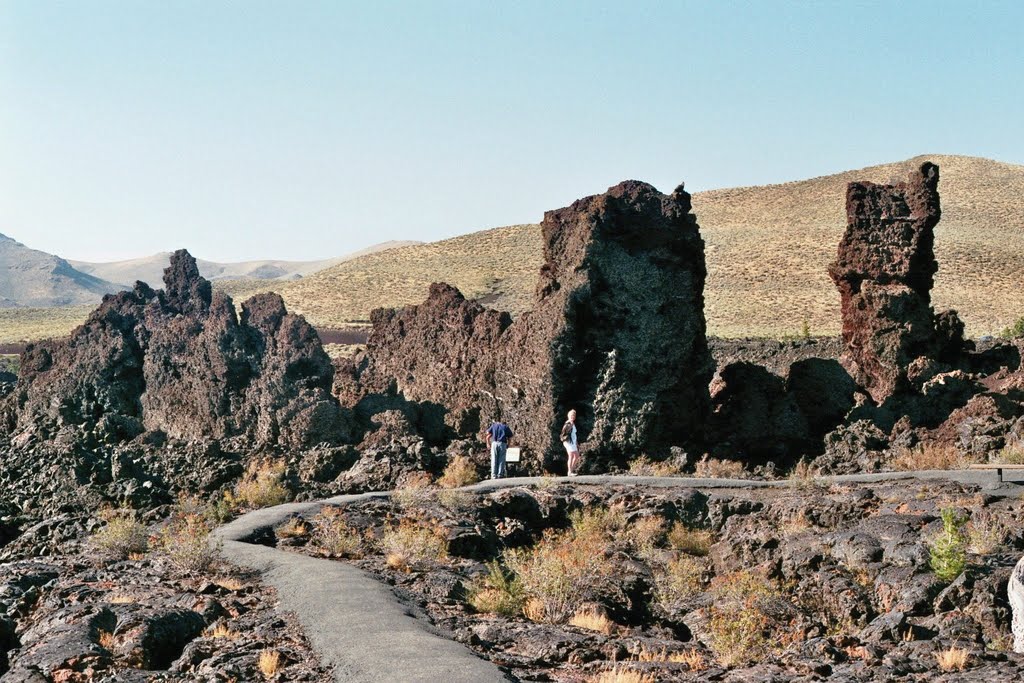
x=295, y=527
x=712, y=468
x=619, y=674
x=270, y=662
x=410, y=545
x=928, y=457
x=262, y=486
x=646, y=467
x=460, y=471
x=122, y=537
x=696, y=542
x=333, y=536
x=592, y=619
x=953, y=658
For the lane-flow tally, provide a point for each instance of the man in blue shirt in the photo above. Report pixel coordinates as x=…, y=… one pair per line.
x=497, y=437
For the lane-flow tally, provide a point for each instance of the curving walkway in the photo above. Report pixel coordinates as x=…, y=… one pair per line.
x=359, y=627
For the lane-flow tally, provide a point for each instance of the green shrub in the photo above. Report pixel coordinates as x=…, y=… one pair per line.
x=948, y=550
x=1013, y=331
x=498, y=592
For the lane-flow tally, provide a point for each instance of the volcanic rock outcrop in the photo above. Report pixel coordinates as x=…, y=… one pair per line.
x=617, y=332
x=179, y=362
x=884, y=272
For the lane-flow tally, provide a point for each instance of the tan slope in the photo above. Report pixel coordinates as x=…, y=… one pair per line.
x=498, y=265
x=769, y=246
x=149, y=269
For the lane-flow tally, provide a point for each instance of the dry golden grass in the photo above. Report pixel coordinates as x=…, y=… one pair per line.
x=768, y=248
x=295, y=527
x=952, y=659
x=713, y=468
x=32, y=324
x=270, y=662
x=221, y=631
x=592, y=619
x=622, y=675
x=928, y=457
x=460, y=471
x=230, y=583
x=106, y=640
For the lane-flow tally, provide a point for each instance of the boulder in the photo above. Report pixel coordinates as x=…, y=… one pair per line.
x=1015, y=594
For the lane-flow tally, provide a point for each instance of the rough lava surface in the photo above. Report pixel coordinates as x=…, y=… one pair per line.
x=884, y=271
x=179, y=362
x=617, y=331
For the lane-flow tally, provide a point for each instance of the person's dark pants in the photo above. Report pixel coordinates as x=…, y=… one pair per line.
x=498, y=449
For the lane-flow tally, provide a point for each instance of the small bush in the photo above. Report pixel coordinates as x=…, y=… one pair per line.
x=695, y=542
x=605, y=523
x=499, y=592
x=122, y=537
x=740, y=627
x=618, y=674
x=928, y=457
x=644, y=534
x=460, y=472
x=985, y=533
x=645, y=467
x=410, y=545
x=712, y=468
x=802, y=475
x=333, y=536
x=562, y=572
x=1011, y=454
x=948, y=550
x=185, y=539
x=1014, y=331
x=295, y=527
x=952, y=659
x=262, y=486
x=414, y=491
x=676, y=582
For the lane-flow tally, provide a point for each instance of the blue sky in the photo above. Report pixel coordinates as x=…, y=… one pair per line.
x=309, y=129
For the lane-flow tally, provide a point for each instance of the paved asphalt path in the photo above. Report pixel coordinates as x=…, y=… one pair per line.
x=358, y=626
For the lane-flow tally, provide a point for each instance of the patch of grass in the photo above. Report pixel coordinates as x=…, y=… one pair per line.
x=270, y=662
x=948, y=550
x=592, y=619
x=122, y=536
x=645, y=534
x=185, y=540
x=498, y=592
x=646, y=467
x=928, y=457
x=410, y=545
x=262, y=486
x=460, y=471
x=985, y=533
x=713, y=468
x=696, y=542
x=19, y=325
x=620, y=674
x=295, y=527
x=953, y=658
x=1014, y=331
x=333, y=536
x=603, y=522
x=414, y=491
x=676, y=582
x=1011, y=454
x=106, y=640
x=221, y=631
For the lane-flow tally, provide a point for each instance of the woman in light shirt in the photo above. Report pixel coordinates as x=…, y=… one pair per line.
x=572, y=446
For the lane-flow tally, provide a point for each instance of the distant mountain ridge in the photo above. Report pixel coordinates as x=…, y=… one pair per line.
x=29, y=277
x=150, y=269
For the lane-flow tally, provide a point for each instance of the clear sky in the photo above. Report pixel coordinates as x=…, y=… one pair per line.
x=310, y=129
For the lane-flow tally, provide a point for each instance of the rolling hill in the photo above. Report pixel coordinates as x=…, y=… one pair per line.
x=150, y=269
x=34, y=278
x=768, y=248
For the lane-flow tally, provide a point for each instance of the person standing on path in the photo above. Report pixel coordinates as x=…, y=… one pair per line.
x=497, y=437
x=572, y=447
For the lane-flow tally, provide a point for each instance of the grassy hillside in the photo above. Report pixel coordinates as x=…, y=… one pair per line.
x=769, y=246
x=767, y=252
